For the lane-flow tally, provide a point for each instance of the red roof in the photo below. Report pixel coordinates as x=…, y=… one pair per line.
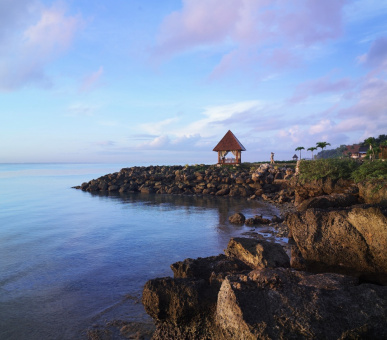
x=355, y=149
x=229, y=143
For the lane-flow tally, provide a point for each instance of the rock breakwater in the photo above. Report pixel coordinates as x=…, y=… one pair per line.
x=265, y=181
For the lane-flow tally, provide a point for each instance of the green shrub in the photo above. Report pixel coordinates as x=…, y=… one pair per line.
x=373, y=171
x=327, y=168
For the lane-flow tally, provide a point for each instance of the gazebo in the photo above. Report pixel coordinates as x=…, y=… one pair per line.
x=229, y=143
x=295, y=157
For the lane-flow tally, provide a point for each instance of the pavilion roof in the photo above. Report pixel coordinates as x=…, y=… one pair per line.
x=229, y=143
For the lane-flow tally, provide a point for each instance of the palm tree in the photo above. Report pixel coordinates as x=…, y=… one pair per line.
x=322, y=145
x=371, y=142
x=312, y=149
x=299, y=149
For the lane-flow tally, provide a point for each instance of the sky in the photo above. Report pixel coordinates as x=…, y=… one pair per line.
x=161, y=82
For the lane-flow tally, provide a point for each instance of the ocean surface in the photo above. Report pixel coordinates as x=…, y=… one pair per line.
x=70, y=260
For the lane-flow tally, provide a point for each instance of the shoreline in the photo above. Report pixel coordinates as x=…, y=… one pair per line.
x=297, y=204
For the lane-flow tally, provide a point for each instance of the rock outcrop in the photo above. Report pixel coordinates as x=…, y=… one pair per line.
x=184, y=307
x=328, y=201
x=287, y=304
x=351, y=241
x=221, y=298
x=257, y=253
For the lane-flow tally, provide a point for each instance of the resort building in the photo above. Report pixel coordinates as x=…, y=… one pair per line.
x=355, y=151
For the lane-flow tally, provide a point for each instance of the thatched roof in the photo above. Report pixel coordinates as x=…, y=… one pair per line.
x=229, y=143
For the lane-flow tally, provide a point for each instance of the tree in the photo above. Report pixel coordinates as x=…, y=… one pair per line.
x=373, y=147
x=322, y=145
x=312, y=149
x=299, y=149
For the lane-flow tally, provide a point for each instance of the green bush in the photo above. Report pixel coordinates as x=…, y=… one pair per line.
x=327, y=168
x=376, y=170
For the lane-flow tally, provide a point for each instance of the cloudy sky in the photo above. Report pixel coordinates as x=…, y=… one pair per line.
x=162, y=81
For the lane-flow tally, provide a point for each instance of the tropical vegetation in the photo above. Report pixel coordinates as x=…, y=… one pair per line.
x=343, y=168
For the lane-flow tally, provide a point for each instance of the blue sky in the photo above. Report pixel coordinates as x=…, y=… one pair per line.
x=162, y=81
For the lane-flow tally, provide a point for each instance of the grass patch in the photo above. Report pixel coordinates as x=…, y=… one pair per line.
x=327, y=168
x=371, y=171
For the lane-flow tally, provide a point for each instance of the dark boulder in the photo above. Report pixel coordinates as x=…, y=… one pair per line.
x=257, y=219
x=287, y=304
x=237, y=218
x=257, y=253
x=208, y=268
x=328, y=201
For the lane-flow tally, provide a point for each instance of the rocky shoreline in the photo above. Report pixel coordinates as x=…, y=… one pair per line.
x=265, y=181
x=333, y=285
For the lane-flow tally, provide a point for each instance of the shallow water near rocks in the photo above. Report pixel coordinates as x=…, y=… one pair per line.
x=71, y=259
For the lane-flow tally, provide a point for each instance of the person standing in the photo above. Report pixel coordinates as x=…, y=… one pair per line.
x=272, y=158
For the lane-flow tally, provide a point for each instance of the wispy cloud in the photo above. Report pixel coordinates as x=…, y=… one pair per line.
x=377, y=56
x=164, y=142
x=81, y=109
x=91, y=80
x=322, y=85
x=157, y=128
x=255, y=31
x=25, y=56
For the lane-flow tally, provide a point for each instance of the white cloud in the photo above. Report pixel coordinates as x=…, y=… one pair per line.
x=158, y=128
x=253, y=31
x=24, y=58
x=322, y=126
x=218, y=118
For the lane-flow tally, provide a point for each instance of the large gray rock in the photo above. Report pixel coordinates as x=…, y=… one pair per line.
x=257, y=253
x=352, y=241
x=286, y=304
x=328, y=201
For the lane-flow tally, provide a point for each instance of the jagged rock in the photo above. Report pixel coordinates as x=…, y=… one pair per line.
x=146, y=190
x=277, y=219
x=373, y=193
x=328, y=201
x=176, y=300
x=222, y=192
x=319, y=187
x=257, y=253
x=286, y=304
x=237, y=218
x=84, y=186
x=205, y=268
x=257, y=219
x=352, y=241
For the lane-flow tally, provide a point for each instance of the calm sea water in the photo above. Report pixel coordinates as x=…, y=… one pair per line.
x=70, y=259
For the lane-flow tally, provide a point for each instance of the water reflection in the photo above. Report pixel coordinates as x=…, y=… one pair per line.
x=225, y=206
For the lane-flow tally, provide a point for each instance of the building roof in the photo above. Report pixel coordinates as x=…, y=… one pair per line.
x=229, y=143
x=295, y=156
x=355, y=149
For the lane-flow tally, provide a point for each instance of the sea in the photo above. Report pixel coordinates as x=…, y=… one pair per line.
x=72, y=260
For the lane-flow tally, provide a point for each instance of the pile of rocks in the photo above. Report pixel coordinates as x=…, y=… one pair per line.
x=251, y=293
x=192, y=180
x=333, y=287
